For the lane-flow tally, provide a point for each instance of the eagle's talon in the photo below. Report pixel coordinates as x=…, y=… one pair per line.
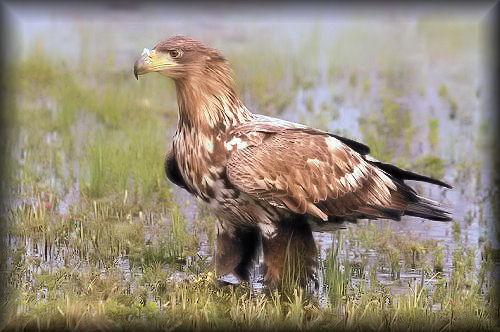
x=224, y=283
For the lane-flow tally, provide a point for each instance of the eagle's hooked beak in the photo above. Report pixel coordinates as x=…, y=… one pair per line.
x=152, y=60
x=142, y=65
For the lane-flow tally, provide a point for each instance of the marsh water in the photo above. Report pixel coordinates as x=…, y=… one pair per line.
x=409, y=86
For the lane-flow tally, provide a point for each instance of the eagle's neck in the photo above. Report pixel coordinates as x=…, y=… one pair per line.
x=208, y=102
x=208, y=109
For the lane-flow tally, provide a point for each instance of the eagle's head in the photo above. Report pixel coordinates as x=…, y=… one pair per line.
x=178, y=57
x=205, y=88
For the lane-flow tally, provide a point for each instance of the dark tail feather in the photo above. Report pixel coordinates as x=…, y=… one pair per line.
x=419, y=206
x=408, y=175
x=428, y=209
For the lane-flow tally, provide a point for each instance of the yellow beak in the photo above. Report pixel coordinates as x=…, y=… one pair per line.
x=151, y=61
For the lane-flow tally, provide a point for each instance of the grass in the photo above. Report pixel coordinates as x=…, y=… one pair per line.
x=338, y=274
x=389, y=132
x=433, y=135
x=124, y=254
x=430, y=165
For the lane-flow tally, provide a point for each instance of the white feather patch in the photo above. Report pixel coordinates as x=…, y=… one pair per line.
x=333, y=144
x=207, y=179
x=314, y=161
x=358, y=173
x=370, y=158
x=215, y=169
x=236, y=141
x=268, y=230
x=207, y=143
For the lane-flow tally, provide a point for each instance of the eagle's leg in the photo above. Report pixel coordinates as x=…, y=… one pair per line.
x=236, y=251
x=290, y=254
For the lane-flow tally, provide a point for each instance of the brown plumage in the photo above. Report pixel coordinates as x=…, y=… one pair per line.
x=268, y=180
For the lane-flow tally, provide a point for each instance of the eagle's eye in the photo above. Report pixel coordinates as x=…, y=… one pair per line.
x=175, y=54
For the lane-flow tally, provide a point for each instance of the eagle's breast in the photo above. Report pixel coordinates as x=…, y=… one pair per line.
x=202, y=163
x=202, y=159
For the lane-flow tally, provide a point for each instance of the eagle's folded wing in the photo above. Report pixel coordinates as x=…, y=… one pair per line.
x=313, y=173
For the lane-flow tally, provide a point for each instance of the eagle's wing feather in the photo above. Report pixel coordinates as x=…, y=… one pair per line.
x=172, y=171
x=311, y=172
x=394, y=171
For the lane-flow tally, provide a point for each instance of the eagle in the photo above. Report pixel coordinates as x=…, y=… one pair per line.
x=269, y=182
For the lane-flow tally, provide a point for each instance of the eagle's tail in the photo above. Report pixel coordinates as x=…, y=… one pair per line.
x=428, y=209
x=416, y=205
x=403, y=174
